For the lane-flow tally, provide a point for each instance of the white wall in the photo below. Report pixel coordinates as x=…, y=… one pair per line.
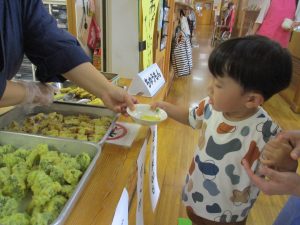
x=122, y=37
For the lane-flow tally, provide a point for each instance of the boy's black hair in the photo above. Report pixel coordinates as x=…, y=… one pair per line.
x=255, y=62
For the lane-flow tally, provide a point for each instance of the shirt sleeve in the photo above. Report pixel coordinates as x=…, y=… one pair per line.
x=297, y=14
x=196, y=113
x=263, y=11
x=53, y=50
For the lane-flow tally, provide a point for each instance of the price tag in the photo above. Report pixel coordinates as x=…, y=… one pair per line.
x=147, y=82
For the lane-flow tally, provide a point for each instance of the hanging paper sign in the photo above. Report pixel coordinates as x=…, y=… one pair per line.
x=121, y=213
x=147, y=82
x=154, y=187
x=140, y=184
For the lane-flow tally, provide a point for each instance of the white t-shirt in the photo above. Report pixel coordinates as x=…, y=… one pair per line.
x=217, y=187
x=185, y=25
x=265, y=7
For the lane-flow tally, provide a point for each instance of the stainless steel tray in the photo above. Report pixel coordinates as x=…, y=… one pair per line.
x=57, y=144
x=19, y=114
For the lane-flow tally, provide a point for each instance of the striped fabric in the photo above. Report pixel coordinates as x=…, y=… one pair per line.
x=182, y=56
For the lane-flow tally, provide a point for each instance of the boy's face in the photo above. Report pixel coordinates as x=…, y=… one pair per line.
x=227, y=96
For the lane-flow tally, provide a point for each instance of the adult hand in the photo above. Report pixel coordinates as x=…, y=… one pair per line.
x=276, y=154
x=275, y=183
x=293, y=136
x=117, y=99
x=37, y=94
x=295, y=24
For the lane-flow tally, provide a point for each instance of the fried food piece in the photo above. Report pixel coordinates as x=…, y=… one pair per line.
x=15, y=187
x=72, y=176
x=82, y=137
x=55, y=205
x=8, y=206
x=42, y=186
x=41, y=218
x=16, y=219
x=67, y=190
x=83, y=160
x=6, y=149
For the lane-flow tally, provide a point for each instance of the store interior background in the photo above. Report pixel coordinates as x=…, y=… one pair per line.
x=121, y=30
x=121, y=27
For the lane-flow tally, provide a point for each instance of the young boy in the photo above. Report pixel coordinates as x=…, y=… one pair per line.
x=246, y=72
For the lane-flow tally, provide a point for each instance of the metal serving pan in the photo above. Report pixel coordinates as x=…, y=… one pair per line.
x=57, y=144
x=19, y=114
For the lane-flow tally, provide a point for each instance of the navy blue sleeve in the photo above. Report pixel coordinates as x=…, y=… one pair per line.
x=53, y=50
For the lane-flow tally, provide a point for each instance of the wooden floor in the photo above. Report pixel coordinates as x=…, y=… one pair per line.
x=176, y=145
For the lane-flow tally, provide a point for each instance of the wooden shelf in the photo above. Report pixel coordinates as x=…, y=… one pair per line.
x=248, y=18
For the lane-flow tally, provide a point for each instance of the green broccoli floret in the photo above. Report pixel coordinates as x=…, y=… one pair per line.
x=21, y=153
x=10, y=160
x=57, y=174
x=72, y=176
x=84, y=160
x=16, y=219
x=39, y=218
x=48, y=160
x=5, y=149
x=8, y=206
x=43, y=187
x=4, y=174
x=33, y=159
x=69, y=163
x=15, y=187
x=21, y=170
x=55, y=205
x=67, y=190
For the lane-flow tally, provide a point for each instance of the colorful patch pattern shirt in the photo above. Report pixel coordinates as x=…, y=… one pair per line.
x=217, y=187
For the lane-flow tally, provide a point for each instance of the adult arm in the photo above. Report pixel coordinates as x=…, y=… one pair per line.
x=27, y=93
x=14, y=94
x=275, y=183
x=94, y=82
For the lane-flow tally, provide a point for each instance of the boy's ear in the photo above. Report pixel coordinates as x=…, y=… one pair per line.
x=254, y=100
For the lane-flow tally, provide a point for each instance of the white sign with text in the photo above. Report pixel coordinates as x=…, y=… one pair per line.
x=140, y=184
x=154, y=187
x=121, y=213
x=148, y=82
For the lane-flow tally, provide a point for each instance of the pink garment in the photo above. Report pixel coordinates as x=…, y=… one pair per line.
x=231, y=23
x=271, y=26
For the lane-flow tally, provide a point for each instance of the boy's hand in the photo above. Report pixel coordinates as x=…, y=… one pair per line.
x=276, y=154
x=156, y=105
